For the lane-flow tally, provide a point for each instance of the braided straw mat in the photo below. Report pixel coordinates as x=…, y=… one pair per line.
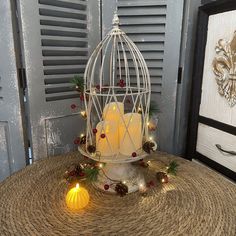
x=197, y=201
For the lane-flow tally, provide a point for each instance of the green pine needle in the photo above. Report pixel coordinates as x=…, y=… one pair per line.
x=153, y=108
x=172, y=168
x=91, y=174
x=78, y=81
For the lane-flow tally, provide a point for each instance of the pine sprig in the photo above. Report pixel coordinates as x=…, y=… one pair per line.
x=78, y=81
x=172, y=168
x=153, y=109
x=91, y=174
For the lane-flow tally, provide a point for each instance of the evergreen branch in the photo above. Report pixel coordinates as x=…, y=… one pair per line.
x=153, y=108
x=78, y=81
x=91, y=174
x=172, y=168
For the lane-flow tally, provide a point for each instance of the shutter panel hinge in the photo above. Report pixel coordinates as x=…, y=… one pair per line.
x=179, y=81
x=22, y=78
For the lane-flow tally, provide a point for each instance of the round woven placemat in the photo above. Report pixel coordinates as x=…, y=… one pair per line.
x=195, y=202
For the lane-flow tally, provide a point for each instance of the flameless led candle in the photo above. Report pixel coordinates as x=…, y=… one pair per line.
x=131, y=134
x=107, y=138
x=77, y=198
x=113, y=112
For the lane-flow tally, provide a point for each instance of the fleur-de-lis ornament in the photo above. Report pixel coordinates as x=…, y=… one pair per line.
x=224, y=67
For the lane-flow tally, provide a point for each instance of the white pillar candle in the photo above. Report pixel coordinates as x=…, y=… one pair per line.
x=131, y=134
x=113, y=111
x=109, y=145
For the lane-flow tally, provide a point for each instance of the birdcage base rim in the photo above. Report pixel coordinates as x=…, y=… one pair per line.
x=111, y=159
x=113, y=173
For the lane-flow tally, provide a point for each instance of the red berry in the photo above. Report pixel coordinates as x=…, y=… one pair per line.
x=102, y=135
x=98, y=87
x=151, y=183
x=106, y=186
x=73, y=106
x=77, y=141
x=95, y=131
x=122, y=81
x=134, y=154
x=122, y=85
x=81, y=174
x=72, y=173
x=81, y=97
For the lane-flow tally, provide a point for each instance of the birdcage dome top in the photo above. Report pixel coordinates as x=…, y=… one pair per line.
x=116, y=66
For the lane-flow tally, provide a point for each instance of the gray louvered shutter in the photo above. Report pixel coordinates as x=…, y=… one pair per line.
x=155, y=27
x=12, y=145
x=57, y=37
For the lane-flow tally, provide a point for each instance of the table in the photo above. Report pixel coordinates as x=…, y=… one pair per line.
x=197, y=201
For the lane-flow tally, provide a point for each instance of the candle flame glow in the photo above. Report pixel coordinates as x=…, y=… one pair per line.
x=77, y=185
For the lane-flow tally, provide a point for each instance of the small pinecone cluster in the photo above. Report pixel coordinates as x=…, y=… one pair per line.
x=162, y=177
x=91, y=149
x=121, y=189
x=83, y=140
x=148, y=147
x=74, y=173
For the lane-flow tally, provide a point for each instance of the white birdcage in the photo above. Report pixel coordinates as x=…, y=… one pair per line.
x=117, y=99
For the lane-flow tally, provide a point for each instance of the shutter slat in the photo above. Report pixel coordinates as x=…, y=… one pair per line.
x=59, y=42
x=46, y=8
x=63, y=22
x=62, y=14
x=138, y=3
x=71, y=4
x=50, y=61
x=59, y=77
x=142, y=37
x=136, y=11
x=61, y=96
x=59, y=85
x=142, y=29
x=142, y=20
x=61, y=28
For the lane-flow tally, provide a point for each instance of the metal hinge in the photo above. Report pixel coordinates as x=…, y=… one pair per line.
x=179, y=81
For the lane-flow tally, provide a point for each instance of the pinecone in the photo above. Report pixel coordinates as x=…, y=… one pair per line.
x=121, y=189
x=83, y=140
x=148, y=147
x=162, y=177
x=91, y=149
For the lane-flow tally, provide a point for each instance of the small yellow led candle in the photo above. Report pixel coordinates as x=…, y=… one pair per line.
x=130, y=137
x=77, y=198
x=107, y=138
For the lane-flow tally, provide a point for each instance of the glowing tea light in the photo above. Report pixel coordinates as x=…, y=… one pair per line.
x=77, y=198
x=107, y=138
x=130, y=133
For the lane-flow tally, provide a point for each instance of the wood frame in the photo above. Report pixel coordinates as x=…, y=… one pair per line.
x=194, y=118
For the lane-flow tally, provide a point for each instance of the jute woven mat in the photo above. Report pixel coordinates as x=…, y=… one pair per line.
x=195, y=202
